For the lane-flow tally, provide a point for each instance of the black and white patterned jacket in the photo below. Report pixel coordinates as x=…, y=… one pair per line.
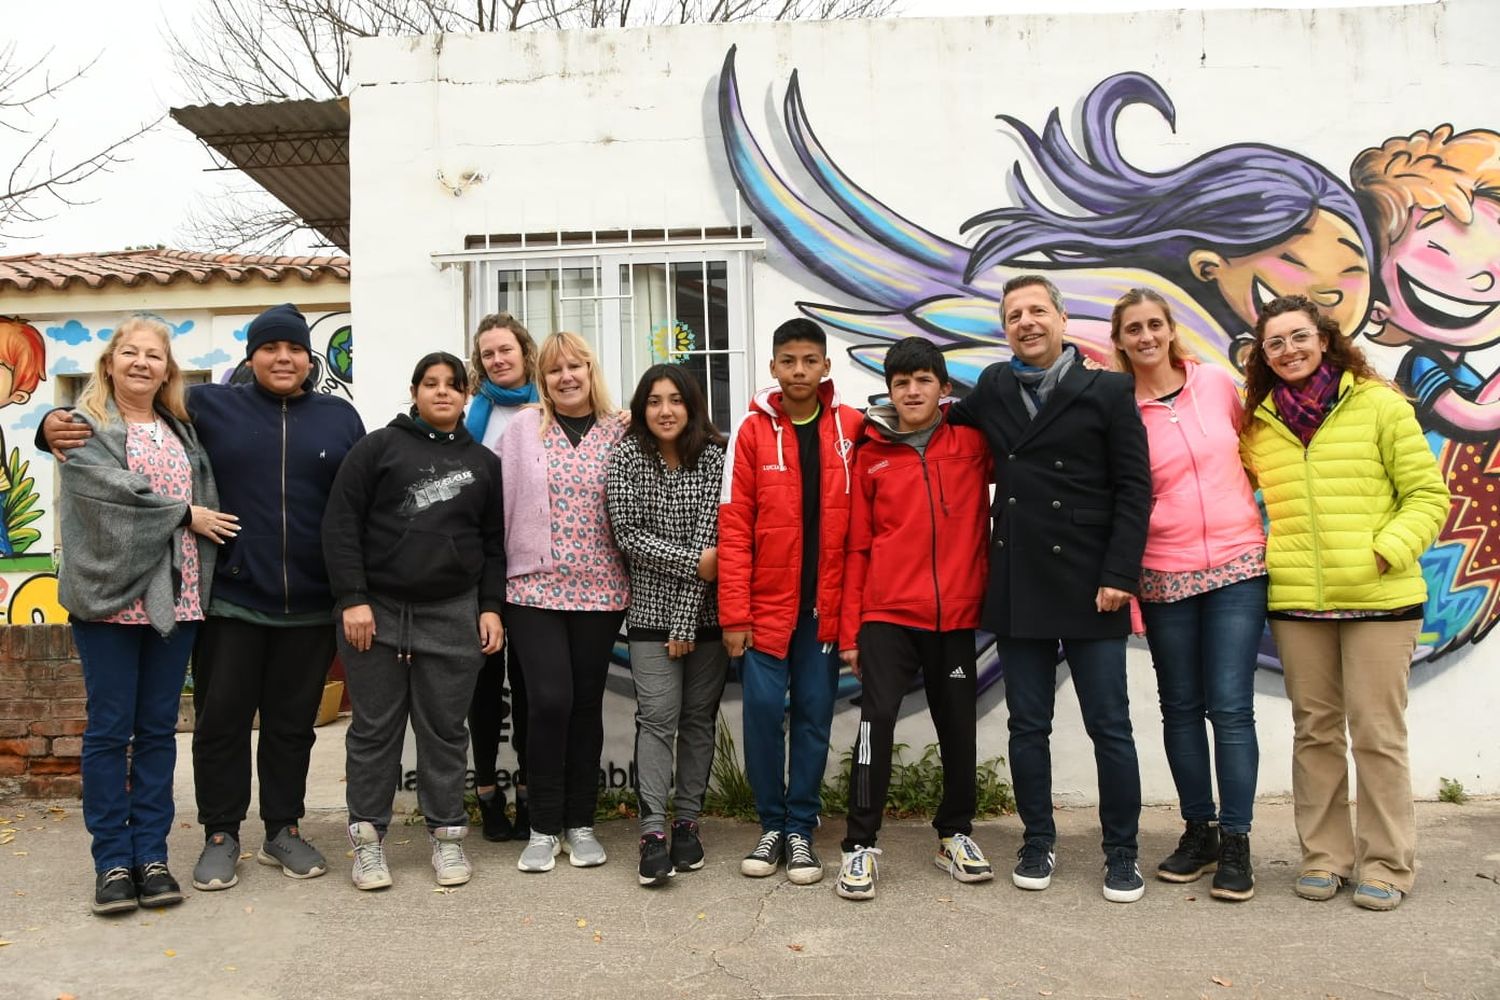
x=662, y=520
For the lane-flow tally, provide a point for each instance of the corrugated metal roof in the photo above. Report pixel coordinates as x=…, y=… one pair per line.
x=135, y=268
x=297, y=150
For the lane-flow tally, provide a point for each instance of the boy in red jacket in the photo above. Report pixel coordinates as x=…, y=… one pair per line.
x=913, y=585
x=782, y=525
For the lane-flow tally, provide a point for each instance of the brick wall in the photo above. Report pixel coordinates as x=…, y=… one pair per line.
x=41, y=711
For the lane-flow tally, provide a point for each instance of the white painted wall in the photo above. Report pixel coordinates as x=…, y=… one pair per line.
x=616, y=129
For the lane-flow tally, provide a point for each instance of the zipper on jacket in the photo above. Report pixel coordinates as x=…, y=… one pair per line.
x=1197, y=487
x=286, y=586
x=937, y=595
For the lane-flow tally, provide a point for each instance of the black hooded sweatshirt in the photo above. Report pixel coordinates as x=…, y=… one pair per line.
x=416, y=515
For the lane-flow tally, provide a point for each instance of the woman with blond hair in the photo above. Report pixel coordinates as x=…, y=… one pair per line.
x=1354, y=498
x=502, y=378
x=567, y=592
x=133, y=500
x=1202, y=591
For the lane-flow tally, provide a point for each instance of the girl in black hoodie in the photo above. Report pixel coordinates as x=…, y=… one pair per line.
x=414, y=539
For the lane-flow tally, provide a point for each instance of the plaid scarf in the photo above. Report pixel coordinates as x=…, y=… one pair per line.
x=1304, y=407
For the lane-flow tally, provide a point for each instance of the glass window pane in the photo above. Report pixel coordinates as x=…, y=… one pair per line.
x=552, y=299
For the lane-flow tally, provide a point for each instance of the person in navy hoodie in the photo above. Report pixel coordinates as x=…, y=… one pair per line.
x=414, y=536
x=265, y=645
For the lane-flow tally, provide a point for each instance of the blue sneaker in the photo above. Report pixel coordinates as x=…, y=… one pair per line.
x=1373, y=894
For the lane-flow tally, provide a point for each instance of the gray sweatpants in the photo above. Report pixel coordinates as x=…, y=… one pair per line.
x=423, y=664
x=675, y=699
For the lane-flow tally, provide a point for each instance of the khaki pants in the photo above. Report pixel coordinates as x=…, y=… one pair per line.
x=1352, y=671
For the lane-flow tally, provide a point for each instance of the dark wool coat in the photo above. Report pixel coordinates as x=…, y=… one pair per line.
x=1072, y=502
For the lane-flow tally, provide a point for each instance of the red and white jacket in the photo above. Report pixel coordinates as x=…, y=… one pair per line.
x=760, y=521
x=918, y=530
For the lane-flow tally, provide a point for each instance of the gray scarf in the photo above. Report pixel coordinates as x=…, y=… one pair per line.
x=1037, y=383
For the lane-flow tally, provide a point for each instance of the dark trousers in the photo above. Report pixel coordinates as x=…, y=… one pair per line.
x=239, y=668
x=890, y=656
x=1098, y=669
x=565, y=655
x=133, y=679
x=488, y=711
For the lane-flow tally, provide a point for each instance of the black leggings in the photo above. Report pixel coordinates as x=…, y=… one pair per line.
x=565, y=655
x=487, y=713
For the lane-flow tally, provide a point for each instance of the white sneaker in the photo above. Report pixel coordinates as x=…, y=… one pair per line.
x=584, y=849
x=857, y=873
x=540, y=851
x=449, y=863
x=370, y=870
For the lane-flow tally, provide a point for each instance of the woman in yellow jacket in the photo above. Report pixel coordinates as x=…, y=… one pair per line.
x=1354, y=498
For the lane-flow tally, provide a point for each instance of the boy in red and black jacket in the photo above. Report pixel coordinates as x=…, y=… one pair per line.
x=914, y=581
x=782, y=524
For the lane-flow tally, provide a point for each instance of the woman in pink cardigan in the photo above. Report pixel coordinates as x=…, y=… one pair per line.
x=567, y=592
x=1202, y=590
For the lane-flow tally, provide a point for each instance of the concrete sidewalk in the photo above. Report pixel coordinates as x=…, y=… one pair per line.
x=713, y=933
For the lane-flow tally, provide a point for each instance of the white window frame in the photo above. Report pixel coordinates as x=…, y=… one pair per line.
x=605, y=258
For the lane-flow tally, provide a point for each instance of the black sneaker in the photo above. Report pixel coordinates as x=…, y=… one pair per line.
x=1197, y=852
x=114, y=891
x=1122, y=878
x=766, y=856
x=495, y=825
x=521, y=828
x=1234, y=880
x=656, y=864
x=687, y=848
x=1035, y=861
x=155, y=886
x=803, y=867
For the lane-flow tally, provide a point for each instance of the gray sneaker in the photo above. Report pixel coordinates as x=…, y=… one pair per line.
x=370, y=869
x=216, y=865
x=541, y=850
x=297, y=858
x=584, y=849
x=449, y=863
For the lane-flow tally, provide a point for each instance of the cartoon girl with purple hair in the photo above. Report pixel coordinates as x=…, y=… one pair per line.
x=1249, y=221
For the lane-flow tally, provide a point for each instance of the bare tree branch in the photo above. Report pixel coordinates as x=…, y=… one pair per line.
x=38, y=184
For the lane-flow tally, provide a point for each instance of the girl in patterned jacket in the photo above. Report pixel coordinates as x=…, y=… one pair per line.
x=664, y=509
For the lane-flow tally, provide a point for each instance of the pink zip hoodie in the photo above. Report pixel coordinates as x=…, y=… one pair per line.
x=1203, y=512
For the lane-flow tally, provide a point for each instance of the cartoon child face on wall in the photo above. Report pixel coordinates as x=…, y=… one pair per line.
x=1322, y=259
x=1442, y=278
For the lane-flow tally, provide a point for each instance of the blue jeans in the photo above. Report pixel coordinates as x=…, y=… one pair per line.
x=789, y=799
x=1098, y=669
x=1204, y=649
x=133, y=680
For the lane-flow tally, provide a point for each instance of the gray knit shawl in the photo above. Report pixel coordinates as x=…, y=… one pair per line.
x=118, y=537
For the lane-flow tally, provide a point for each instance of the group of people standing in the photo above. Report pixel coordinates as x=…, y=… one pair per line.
x=453, y=551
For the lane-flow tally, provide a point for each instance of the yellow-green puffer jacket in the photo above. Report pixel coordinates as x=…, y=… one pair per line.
x=1367, y=483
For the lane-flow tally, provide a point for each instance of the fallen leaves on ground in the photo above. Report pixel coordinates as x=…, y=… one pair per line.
x=170, y=953
x=702, y=916
x=582, y=922
x=794, y=947
x=1224, y=981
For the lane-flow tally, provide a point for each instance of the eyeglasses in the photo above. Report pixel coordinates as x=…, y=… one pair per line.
x=1301, y=339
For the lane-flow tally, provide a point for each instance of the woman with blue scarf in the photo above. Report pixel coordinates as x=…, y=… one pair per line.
x=502, y=372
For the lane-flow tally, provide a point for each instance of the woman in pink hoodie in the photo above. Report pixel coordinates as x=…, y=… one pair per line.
x=1202, y=592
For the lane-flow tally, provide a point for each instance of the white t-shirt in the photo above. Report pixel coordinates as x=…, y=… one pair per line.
x=500, y=418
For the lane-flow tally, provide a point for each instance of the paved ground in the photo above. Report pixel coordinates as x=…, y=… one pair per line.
x=716, y=934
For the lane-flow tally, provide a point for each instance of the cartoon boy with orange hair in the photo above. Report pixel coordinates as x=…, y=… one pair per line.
x=23, y=364
x=1434, y=202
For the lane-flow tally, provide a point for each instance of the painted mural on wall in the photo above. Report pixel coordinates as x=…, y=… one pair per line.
x=66, y=349
x=1406, y=254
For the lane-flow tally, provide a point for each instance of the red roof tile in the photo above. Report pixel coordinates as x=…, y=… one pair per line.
x=135, y=268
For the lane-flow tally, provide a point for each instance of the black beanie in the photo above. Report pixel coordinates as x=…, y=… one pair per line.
x=281, y=322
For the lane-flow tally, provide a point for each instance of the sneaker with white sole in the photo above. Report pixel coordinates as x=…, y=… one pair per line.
x=1035, y=862
x=767, y=855
x=540, y=854
x=584, y=849
x=216, y=867
x=656, y=860
x=857, y=873
x=370, y=869
x=1122, y=878
x=450, y=864
x=803, y=866
x=960, y=857
x=295, y=856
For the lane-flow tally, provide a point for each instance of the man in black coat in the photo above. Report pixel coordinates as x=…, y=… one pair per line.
x=1072, y=502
